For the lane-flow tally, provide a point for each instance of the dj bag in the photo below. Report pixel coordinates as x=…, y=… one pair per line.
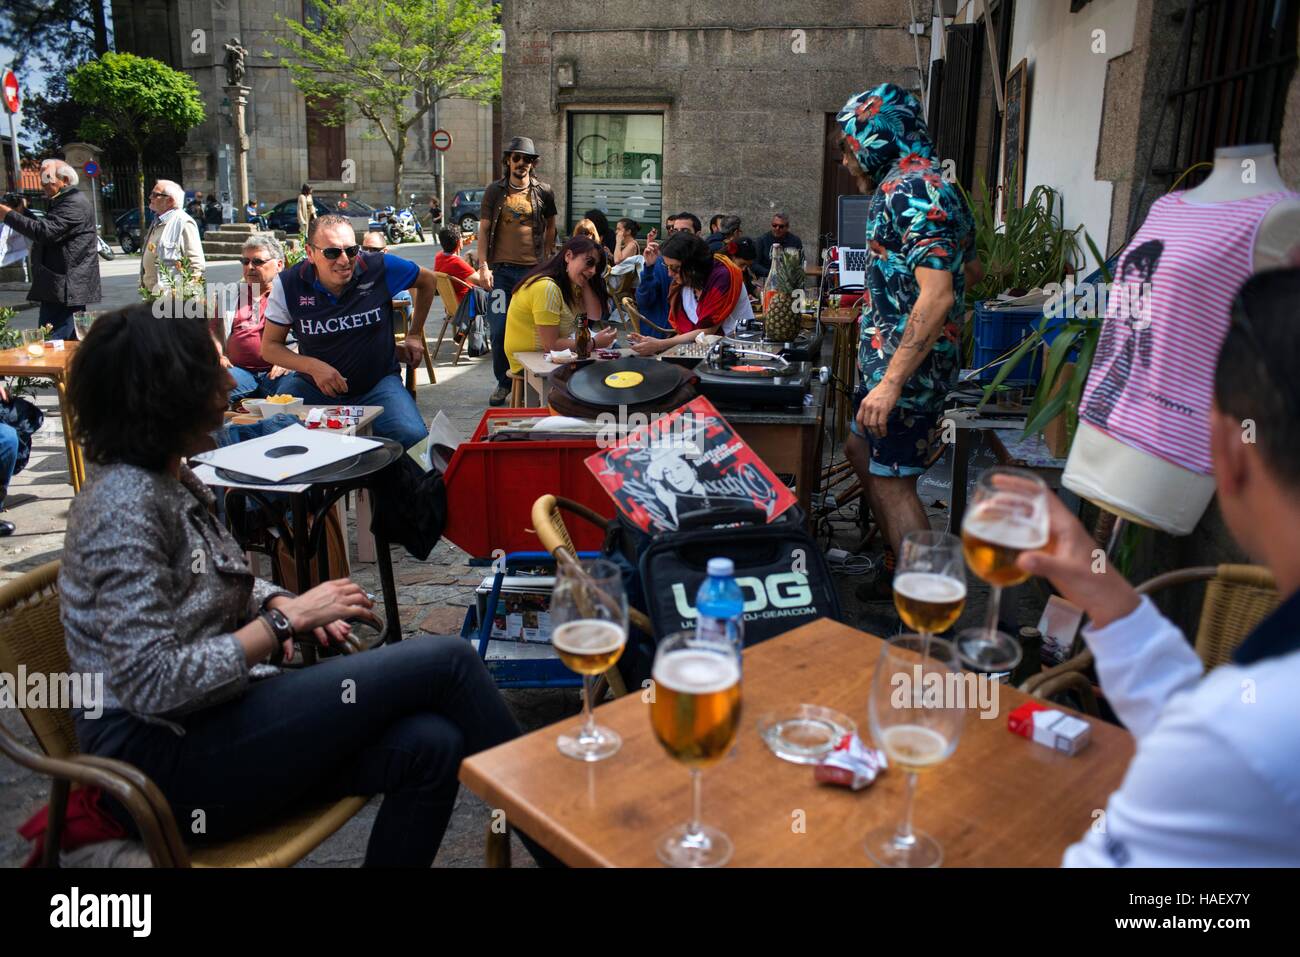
x=783, y=573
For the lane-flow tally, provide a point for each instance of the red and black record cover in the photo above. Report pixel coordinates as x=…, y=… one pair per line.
x=687, y=460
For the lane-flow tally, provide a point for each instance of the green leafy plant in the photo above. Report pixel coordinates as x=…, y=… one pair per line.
x=11, y=338
x=390, y=62
x=135, y=99
x=1049, y=402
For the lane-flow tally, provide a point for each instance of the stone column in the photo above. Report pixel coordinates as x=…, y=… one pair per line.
x=238, y=96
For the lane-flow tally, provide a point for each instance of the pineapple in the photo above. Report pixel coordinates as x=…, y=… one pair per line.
x=781, y=321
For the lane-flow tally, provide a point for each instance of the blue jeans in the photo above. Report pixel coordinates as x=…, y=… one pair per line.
x=59, y=316
x=400, y=419
x=423, y=705
x=505, y=276
x=8, y=457
x=252, y=385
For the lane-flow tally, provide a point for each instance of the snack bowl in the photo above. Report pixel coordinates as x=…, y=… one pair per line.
x=280, y=403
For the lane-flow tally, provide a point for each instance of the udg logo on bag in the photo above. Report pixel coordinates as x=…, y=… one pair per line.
x=779, y=595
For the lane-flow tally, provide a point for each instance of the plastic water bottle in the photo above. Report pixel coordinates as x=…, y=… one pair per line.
x=720, y=605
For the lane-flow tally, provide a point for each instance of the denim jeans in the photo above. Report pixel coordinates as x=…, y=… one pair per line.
x=252, y=385
x=59, y=316
x=419, y=707
x=8, y=457
x=400, y=419
x=505, y=276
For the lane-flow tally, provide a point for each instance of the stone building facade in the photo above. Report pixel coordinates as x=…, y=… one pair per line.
x=288, y=145
x=647, y=109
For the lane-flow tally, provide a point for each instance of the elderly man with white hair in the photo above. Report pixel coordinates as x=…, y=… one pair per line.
x=174, y=236
x=65, y=248
x=241, y=346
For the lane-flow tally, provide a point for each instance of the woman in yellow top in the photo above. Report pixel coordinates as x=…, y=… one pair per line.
x=543, y=305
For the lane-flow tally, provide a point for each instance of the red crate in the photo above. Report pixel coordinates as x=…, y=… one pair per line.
x=491, y=487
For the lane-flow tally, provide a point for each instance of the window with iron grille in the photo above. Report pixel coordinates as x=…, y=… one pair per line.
x=1235, y=62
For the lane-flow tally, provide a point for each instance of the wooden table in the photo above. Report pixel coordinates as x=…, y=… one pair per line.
x=52, y=365
x=844, y=364
x=999, y=801
x=537, y=375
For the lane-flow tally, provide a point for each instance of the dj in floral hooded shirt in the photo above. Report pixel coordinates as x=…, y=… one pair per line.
x=916, y=220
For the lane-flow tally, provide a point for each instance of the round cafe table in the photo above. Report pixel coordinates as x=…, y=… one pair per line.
x=312, y=495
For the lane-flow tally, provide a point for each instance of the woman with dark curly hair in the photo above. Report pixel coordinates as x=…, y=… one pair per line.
x=156, y=596
x=707, y=295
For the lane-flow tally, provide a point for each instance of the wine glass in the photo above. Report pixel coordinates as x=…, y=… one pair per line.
x=930, y=582
x=695, y=711
x=589, y=612
x=1008, y=515
x=917, y=730
x=82, y=320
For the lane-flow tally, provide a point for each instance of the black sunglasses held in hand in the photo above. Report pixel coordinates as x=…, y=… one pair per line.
x=333, y=252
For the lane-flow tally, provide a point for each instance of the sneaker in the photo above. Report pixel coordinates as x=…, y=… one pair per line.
x=500, y=396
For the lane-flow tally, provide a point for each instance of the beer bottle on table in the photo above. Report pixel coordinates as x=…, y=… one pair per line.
x=582, y=340
x=770, y=287
x=720, y=605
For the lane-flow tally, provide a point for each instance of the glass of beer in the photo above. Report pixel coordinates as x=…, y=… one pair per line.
x=34, y=342
x=917, y=730
x=695, y=711
x=1008, y=515
x=930, y=582
x=589, y=617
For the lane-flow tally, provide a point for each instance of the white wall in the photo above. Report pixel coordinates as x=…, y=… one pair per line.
x=1067, y=87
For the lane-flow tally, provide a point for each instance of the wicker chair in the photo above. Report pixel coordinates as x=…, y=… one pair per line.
x=548, y=523
x=32, y=635
x=1237, y=598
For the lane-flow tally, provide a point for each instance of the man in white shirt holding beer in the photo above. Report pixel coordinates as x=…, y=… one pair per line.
x=1216, y=777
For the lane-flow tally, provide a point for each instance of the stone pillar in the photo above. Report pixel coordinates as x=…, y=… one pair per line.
x=238, y=96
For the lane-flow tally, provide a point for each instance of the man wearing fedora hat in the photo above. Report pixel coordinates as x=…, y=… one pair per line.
x=516, y=232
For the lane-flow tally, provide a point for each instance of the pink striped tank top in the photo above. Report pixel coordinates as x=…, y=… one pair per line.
x=1167, y=315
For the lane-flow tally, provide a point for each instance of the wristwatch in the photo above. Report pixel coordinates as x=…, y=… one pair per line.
x=282, y=631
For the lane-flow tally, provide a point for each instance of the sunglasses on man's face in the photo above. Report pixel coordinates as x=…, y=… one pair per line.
x=334, y=252
x=254, y=262
x=520, y=158
x=780, y=226
x=157, y=195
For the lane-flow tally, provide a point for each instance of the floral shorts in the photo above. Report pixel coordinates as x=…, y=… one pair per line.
x=913, y=441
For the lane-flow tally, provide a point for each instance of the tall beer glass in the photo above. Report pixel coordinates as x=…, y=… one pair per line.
x=917, y=730
x=930, y=582
x=1008, y=515
x=589, y=615
x=695, y=711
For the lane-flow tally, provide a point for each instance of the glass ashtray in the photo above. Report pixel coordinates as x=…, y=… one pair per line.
x=806, y=734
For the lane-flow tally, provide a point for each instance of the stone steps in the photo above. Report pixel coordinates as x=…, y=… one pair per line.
x=226, y=242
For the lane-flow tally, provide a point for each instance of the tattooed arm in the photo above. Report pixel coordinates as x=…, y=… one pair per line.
x=924, y=326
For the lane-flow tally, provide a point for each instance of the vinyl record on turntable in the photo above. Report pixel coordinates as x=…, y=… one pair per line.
x=627, y=381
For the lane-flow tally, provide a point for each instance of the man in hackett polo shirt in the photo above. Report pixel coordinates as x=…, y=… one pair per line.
x=339, y=305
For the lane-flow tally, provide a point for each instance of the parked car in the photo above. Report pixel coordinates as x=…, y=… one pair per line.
x=127, y=225
x=465, y=207
x=284, y=216
x=358, y=212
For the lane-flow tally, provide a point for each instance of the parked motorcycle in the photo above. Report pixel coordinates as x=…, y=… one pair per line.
x=404, y=224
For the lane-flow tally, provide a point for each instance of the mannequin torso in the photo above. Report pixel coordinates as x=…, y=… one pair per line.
x=1134, y=483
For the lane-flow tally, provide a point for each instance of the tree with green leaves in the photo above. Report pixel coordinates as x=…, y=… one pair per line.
x=390, y=61
x=135, y=98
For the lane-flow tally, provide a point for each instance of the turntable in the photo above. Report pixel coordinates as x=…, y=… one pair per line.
x=807, y=346
x=740, y=376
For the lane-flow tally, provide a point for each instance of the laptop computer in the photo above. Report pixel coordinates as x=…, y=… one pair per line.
x=852, y=240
